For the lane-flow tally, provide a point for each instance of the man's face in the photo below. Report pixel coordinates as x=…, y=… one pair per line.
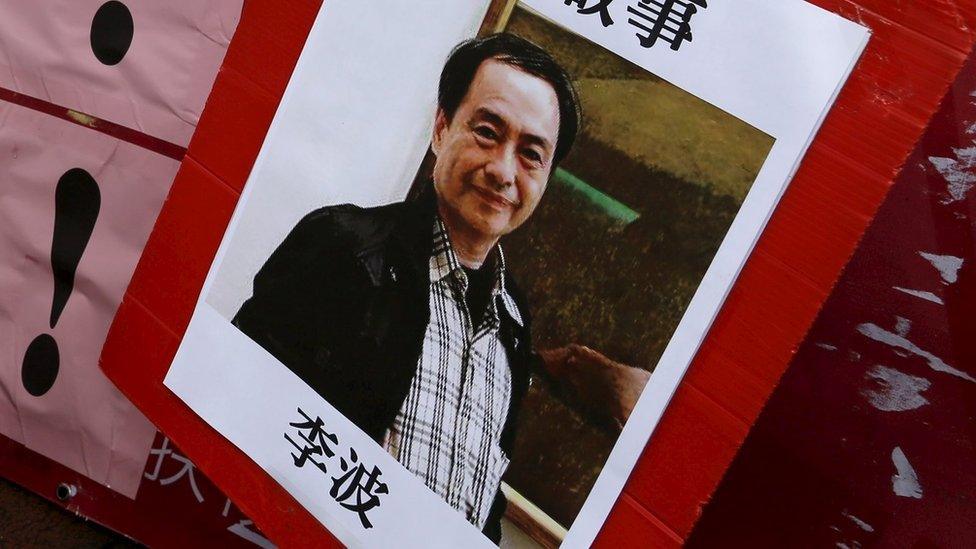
x=495, y=155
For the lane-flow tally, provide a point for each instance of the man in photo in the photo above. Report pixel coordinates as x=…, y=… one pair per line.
x=406, y=318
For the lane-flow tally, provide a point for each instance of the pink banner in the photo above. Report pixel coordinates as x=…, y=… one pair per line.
x=145, y=65
x=76, y=208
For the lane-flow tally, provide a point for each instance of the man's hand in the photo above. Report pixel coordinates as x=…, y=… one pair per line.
x=604, y=389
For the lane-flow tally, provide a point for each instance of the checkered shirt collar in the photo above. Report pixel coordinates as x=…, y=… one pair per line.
x=444, y=262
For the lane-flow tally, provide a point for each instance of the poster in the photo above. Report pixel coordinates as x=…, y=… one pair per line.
x=335, y=342
x=76, y=209
x=77, y=203
x=148, y=66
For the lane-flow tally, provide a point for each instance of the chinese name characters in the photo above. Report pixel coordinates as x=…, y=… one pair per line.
x=356, y=487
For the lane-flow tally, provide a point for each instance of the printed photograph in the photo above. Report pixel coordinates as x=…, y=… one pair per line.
x=494, y=330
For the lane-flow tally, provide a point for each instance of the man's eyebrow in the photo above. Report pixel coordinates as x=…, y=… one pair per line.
x=491, y=116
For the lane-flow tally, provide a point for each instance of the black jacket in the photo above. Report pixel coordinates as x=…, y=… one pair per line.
x=344, y=303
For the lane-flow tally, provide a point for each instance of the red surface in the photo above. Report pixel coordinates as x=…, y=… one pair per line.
x=161, y=515
x=630, y=525
x=863, y=144
x=180, y=249
x=821, y=452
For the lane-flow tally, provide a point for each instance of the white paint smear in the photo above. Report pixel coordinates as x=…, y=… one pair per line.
x=948, y=265
x=826, y=346
x=904, y=482
x=897, y=341
x=902, y=326
x=860, y=523
x=956, y=172
x=894, y=391
x=927, y=296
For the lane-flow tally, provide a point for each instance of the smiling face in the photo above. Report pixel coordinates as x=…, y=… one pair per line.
x=494, y=156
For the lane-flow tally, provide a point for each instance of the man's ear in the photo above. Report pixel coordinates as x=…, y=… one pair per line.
x=440, y=126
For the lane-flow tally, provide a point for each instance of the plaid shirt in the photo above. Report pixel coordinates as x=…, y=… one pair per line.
x=447, y=431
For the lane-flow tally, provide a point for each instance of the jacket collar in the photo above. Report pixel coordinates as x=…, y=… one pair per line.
x=444, y=263
x=412, y=232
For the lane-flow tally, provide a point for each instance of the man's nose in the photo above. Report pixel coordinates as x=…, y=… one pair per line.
x=502, y=168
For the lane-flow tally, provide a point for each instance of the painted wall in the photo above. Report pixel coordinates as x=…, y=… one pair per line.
x=870, y=438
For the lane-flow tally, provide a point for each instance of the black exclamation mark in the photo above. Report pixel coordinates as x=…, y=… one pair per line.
x=76, y=204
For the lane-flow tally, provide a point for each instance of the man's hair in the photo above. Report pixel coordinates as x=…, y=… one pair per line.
x=467, y=56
